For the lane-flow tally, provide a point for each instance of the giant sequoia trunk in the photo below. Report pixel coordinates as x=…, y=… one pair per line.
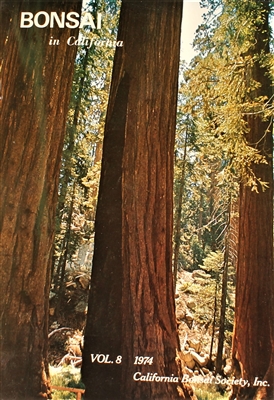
x=131, y=306
x=36, y=88
x=253, y=334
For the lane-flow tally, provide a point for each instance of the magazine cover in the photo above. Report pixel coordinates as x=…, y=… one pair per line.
x=136, y=200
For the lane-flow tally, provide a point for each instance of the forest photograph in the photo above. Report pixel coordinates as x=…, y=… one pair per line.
x=136, y=200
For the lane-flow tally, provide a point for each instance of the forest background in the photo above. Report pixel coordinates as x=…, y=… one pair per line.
x=220, y=97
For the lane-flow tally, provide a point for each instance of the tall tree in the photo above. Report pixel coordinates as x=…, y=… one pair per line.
x=36, y=85
x=131, y=305
x=254, y=331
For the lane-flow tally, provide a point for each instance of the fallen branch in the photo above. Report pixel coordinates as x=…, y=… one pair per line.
x=70, y=358
x=58, y=330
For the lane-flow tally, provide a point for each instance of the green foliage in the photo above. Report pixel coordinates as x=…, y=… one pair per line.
x=207, y=193
x=213, y=263
x=221, y=91
x=207, y=288
x=80, y=169
x=219, y=95
x=209, y=392
x=68, y=376
x=218, y=92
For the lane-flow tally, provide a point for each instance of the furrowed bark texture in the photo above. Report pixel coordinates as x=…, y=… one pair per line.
x=131, y=307
x=253, y=334
x=36, y=81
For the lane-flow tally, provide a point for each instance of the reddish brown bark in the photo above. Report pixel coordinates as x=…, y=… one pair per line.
x=131, y=306
x=36, y=80
x=253, y=334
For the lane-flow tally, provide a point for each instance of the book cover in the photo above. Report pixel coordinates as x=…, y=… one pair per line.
x=136, y=200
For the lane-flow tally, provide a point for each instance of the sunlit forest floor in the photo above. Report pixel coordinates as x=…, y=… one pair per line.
x=67, y=321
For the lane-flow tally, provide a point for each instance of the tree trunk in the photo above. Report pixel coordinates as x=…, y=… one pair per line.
x=221, y=338
x=178, y=217
x=71, y=132
x=131, y=306
x=214, y=321
x=5, y=10
x=61, y=270
x=253, y=333
x=36, y=88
